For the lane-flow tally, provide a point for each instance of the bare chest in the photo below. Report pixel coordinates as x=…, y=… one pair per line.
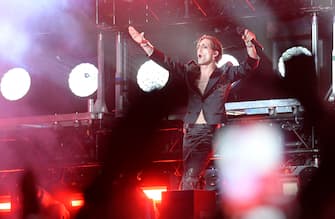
x=202, y=83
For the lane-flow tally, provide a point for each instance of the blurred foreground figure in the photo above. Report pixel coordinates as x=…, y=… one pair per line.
x=115, y=194
x=37, y=203
x=316, y=197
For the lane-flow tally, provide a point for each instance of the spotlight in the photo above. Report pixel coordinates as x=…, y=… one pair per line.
x=296, y=178
x=15, y=84
x=77, y=200
x=5, y=204
x=154, y=192
x=227, y=58
x=152, y=76
x=290, y=186
x=83, y=79
x=293, y=51
x=211, y=179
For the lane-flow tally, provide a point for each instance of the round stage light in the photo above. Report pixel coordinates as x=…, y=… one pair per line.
x=15, y=84
x=227, y=58
x=151, y=76
x=83, y=79
x=293, y=51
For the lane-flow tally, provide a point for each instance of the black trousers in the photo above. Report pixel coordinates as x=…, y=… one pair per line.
x=197, y=149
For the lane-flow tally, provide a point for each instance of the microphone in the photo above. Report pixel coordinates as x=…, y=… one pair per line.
x=258, y=45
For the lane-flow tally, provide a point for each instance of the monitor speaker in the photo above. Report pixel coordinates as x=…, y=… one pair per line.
x=191, y=204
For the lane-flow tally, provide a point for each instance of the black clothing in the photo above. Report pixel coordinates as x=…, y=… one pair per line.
x=197, y=143
x=212, y=102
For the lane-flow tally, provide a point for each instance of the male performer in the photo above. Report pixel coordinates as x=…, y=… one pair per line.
x=208, y=88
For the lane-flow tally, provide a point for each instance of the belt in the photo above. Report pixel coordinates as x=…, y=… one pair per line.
x=194, y=125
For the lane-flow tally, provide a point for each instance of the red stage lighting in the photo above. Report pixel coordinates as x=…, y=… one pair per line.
x=77, y=201
x=154, y=192
x=5, y=204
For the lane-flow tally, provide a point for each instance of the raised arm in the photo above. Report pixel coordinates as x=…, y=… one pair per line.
x=251, y=49
x=139, y=38
x=234, y=73
x=154, y=54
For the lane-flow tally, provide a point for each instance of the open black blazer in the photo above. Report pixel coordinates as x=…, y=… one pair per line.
x=212, y=102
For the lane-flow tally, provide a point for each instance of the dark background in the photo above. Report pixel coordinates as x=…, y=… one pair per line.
x=62, y=34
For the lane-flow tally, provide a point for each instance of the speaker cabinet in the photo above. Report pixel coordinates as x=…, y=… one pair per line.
x=191, y=204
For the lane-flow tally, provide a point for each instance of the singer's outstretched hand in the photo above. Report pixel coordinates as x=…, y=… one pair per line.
x=137, y=37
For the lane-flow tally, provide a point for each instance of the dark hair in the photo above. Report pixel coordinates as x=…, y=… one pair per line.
x=215, y=44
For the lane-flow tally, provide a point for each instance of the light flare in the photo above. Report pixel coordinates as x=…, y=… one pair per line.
x=251, y=154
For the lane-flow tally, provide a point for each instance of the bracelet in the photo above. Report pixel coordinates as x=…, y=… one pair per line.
x=249, y=44
x=146, y=44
